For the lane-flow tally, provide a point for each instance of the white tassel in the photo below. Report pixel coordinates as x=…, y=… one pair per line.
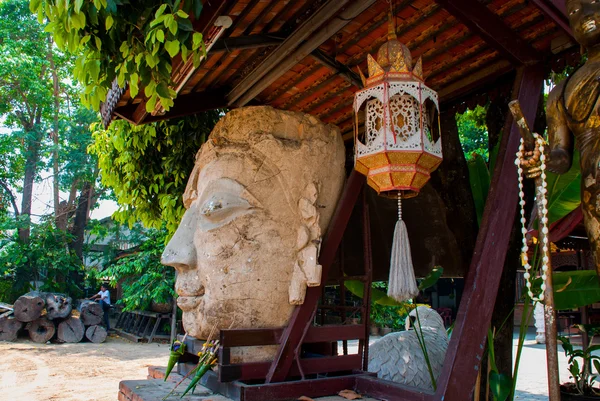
x=402, y=282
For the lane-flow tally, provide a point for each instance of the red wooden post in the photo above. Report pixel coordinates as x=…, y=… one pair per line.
x=302, y=316
x=475, y=313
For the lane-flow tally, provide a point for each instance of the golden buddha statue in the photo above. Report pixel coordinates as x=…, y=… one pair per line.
x=573, y=115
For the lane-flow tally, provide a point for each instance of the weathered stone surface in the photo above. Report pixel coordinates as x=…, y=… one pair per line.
x=262, y=192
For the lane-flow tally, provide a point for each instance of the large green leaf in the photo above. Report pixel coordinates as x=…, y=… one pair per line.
x=500, y=385
x=564, y=191
x=358, y=288
x=432, y=278
x=479, y=178
x=574, y=289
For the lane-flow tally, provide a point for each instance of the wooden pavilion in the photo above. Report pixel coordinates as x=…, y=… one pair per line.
x=303, y=56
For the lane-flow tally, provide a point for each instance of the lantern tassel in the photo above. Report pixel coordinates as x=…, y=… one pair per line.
x=402, y=282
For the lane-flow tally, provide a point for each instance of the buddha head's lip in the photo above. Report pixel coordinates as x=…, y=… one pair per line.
x=188, y=303
x=589, y=25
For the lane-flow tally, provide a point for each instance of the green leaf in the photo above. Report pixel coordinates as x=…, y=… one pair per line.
x=34, y=5
x=577, y=288
x=172, y=47
x=160, y=11
x=109, y=22
x=196, y=40
x=197, y=8
x=432, y=278
x=133, y=85
x=160, y=36
x=151, y=103
x=377, y=296
x=564, y=191
x=98, y=42
x=500, y=386
x=78, y=4
x=163, y=90
x=479, y=177
x=173, y=26
x=182, y=14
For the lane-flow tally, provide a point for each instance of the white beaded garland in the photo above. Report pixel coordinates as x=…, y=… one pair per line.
x=543, y=218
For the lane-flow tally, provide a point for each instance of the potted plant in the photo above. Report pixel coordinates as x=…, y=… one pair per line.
x=584, y=368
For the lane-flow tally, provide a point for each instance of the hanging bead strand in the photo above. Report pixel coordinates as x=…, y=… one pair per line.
x=399, y=205
x=543, y=218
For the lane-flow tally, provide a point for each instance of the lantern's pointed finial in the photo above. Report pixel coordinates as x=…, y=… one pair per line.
x=391, y=26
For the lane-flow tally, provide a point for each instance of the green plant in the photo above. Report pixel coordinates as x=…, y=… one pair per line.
x=147, y=166
x=130, y=41
x=583, y=363
x=143, y=278
x=45, y=259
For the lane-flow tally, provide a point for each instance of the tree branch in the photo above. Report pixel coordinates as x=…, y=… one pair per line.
x=11, y=196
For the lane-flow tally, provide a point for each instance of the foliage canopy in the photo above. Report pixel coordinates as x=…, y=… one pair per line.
x=131, y=41
x=147, y=166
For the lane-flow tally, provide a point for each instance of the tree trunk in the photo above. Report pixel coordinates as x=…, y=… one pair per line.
x=31, y=159
x=55, y=171
x=9, y=328
x=29, y=307
x=96, y=334
x=91, y=313
x=70, y=330
x=58, y=306
x=41, y=330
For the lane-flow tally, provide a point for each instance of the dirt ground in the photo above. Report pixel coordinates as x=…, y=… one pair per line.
x=74, y=372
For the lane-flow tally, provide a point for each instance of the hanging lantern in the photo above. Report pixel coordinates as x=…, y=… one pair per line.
x=397, y=152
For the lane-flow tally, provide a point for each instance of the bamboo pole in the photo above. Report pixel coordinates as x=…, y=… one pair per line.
x=549, y=312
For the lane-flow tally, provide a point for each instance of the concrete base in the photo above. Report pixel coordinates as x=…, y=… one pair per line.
x=155, y=389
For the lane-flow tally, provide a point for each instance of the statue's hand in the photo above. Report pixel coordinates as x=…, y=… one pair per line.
x=531, y=162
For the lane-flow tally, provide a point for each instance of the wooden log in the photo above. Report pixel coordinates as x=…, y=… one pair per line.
x=70, y=330
x=9, y=328
x=41, y=330
x=96, y=334
x=29, y=307
x=90, y=313
x=58, y=306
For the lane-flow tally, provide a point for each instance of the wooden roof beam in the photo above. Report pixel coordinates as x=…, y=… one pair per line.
x=492, y=29
x=556, y=11
x=308, y=37
x=244, y=43
x=341, y=69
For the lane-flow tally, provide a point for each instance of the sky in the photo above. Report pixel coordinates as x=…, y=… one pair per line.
x=42, y=202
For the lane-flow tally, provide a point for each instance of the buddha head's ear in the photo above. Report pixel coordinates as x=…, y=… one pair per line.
x=307, y=270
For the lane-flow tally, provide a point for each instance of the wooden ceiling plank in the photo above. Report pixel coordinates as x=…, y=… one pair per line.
x=492, y=30
x=557, y=15
x=283, y=58
x=285, y=50
x=469, y=54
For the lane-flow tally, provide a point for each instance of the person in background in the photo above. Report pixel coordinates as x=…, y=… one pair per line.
x=104, y=300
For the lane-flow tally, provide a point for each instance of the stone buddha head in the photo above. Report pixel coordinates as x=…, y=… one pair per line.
x=261, y=194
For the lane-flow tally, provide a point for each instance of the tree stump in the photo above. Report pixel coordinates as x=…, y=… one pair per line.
x=41, y=330
x=70, y=330
x=96, y=334
x=29, y=307
x=58, y=306
x=9, y=328
x=91, y=313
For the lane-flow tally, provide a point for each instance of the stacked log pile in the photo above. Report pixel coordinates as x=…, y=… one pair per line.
x=47, y=316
